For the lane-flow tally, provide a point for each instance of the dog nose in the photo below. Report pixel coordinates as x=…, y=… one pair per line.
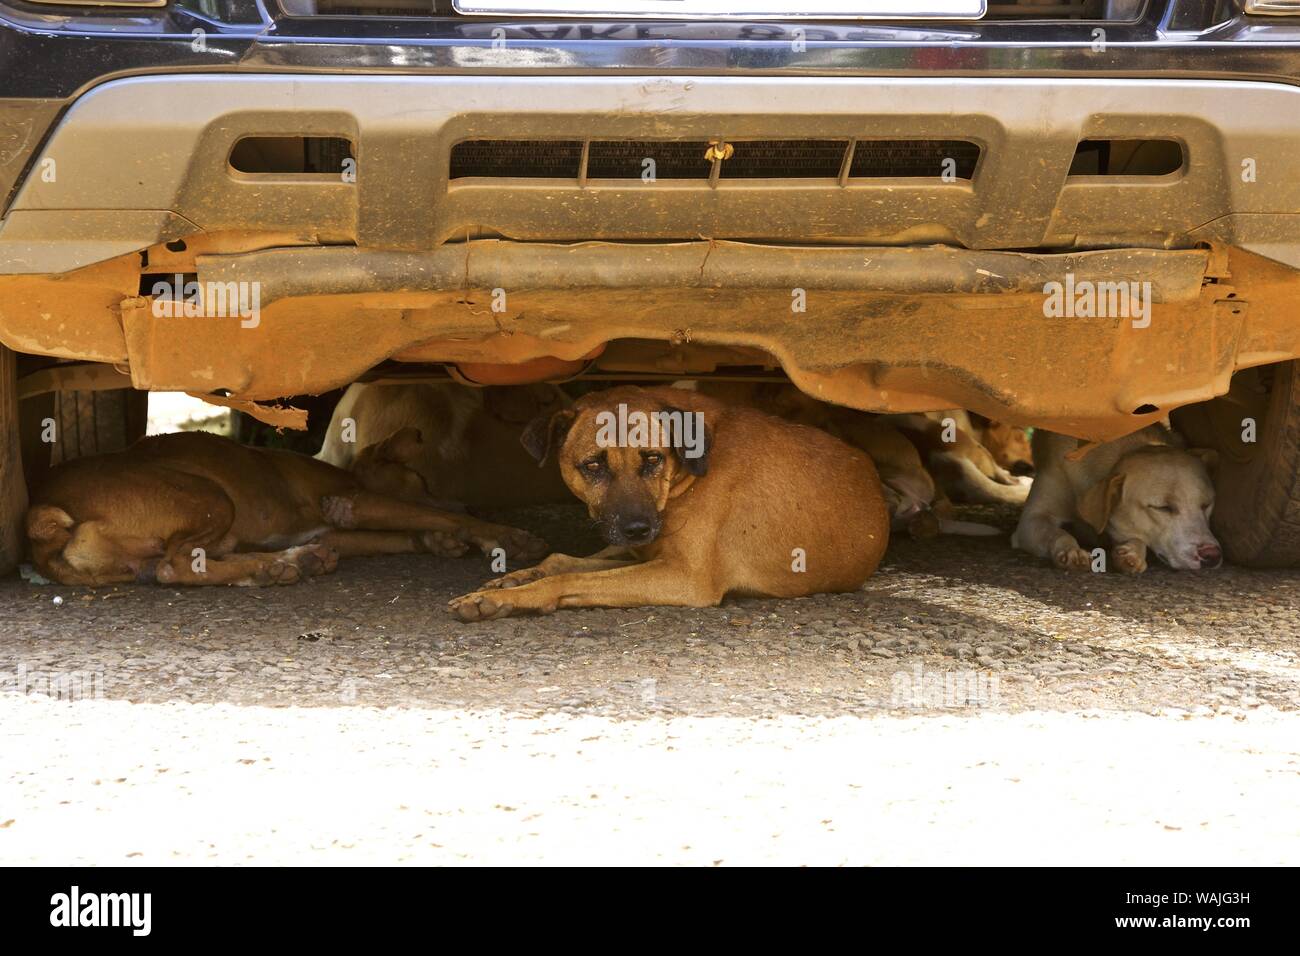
x=907, y=509
x=635, y=530
x=1209, y=555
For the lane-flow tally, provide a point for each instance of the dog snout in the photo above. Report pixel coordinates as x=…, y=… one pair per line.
x=636, y=530
x=908, y=509
x=1209, y=555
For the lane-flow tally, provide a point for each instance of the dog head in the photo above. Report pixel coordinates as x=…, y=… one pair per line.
x=626, y=453
x=385, y=468
x=1009, y=446
x=907, y=494
x=1161, y=496
x=74, y=552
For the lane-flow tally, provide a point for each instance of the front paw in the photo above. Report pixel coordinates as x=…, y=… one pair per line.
x=1130, y=557
x=514, y=579
x=1072, y=558
x=480, y=606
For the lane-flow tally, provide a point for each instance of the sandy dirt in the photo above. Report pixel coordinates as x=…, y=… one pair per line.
x=968, y=705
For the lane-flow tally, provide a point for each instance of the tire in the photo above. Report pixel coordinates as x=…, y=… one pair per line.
x=92, y=423
x=1257, y=484
x=13, y=489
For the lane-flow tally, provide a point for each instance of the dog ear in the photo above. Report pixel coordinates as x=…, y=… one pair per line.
x=1098, y=501
x=546, y=433
x=698, y=465
x=48, y=523
x=401, y=446
x=1209, y=458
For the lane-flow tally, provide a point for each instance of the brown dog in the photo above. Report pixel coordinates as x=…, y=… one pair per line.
x=963, y=468
x=914, y=501
x=470, y=452
x=194, y=508
x=1008, y=444
x=722, y=500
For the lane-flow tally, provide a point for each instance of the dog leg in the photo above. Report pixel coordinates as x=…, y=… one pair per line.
x=249, y=569
x=975, y=487
x=365, y=510
x=1130, y=556
x=1042, y=535
x=654, y=583
x=351, y=544
x=611, y=557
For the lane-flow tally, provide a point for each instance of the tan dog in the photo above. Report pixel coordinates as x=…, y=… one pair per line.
x=963, y=468
x=193, y=508
x=1139, y=492
x=469, y=453
x=1008, y=444
x=729, y=501
x=914, y=502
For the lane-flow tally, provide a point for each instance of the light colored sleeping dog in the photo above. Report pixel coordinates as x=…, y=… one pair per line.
x=1139, y=492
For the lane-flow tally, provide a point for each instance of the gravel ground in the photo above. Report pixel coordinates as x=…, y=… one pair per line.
x=968, y=705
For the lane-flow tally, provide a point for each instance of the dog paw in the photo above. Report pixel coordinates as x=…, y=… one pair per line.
x=276, y=573
x=479, y=606
x=514, y=579
x=442, y=543
x=337, y=511
x=1130, y=557
x=518, y=544
x=1072, y=559
x=314, y=559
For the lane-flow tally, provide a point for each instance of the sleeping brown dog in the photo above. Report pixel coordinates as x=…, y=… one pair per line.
x=728, y=500
x=194, y=508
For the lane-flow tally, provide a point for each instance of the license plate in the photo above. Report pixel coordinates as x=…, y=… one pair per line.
x=733, y=9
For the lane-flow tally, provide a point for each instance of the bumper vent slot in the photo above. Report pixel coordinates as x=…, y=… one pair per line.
x=309, y=155
x=513, y=159
x=882, y=158
x=1127, y=157
x=626, y=159
x=623, y=160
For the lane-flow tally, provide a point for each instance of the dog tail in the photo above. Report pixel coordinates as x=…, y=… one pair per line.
x=971, y=529
x=978, y=488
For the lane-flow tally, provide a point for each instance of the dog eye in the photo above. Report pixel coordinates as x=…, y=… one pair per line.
x=653, y=458
x=593, y=466
x=1167, y=509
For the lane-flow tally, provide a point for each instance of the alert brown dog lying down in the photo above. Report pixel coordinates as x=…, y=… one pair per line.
x=729, y=501
x=194, y=508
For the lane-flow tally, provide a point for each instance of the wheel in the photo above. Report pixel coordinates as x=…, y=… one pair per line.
x=13, y=489
x=91, y=423
x=1257, y=482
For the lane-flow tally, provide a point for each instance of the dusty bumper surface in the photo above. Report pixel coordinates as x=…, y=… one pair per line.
x=819, y=730
x=171, y=138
